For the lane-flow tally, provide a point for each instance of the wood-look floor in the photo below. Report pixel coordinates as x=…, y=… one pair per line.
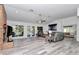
x=38, y=46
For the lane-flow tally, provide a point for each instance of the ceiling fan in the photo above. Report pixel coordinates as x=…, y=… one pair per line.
x=42, y=19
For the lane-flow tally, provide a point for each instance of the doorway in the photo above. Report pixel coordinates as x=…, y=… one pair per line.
x=40, y=31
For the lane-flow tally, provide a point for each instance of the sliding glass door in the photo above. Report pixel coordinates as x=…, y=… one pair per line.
x=70, y=30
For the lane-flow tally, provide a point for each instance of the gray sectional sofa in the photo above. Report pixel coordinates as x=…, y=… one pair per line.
x=56, y=36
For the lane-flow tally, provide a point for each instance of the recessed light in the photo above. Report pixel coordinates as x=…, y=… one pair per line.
x=16, y=11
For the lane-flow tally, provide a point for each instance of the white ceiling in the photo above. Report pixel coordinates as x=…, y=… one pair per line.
x=20, y=12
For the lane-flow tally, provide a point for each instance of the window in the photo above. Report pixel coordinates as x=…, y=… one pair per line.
x=18, y=30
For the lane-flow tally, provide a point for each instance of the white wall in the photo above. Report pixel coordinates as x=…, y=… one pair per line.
x=13, y=23
x=60, y=23
x=66, y=21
